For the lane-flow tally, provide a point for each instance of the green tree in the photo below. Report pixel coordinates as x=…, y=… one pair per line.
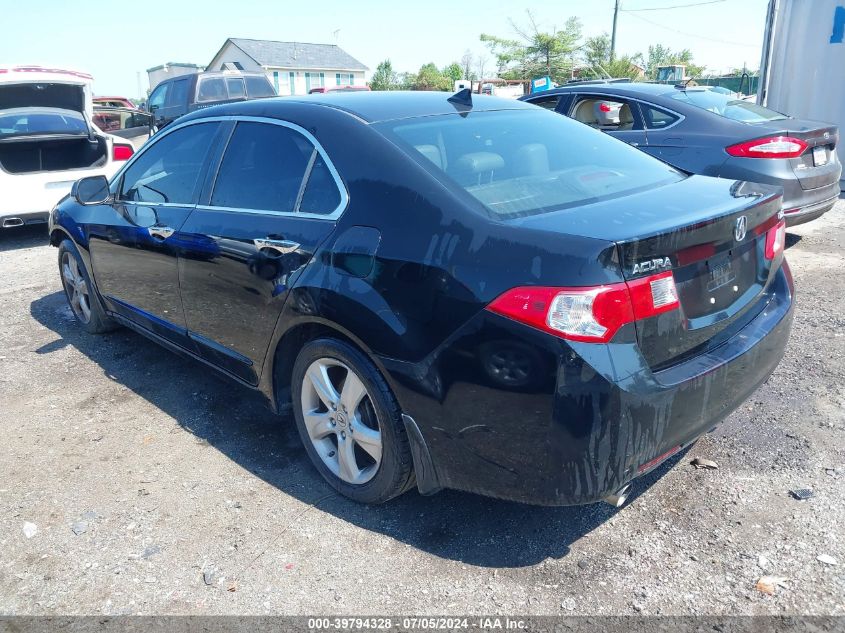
x=454, y=72
x=384, y=78
x=534, y=53
x=596, y=54
x=429, y=78
x=659, y=55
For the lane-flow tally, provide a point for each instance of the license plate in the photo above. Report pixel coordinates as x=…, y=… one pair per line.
x=819, y=155
x=721, y=274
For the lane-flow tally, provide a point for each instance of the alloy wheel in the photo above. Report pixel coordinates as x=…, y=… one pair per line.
x=76, y=288
x=341, y=421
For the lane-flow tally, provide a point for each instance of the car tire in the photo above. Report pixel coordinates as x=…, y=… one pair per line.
x=336, y=392
x=80, y=293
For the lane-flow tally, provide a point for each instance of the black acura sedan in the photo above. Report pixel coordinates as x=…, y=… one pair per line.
x=462, y=292
x=706, y=132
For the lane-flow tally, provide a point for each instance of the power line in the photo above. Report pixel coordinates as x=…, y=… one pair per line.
x=703, y=37
x=677, y=6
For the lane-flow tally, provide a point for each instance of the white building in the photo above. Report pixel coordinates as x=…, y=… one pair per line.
x=294, y=68
x=157, y=74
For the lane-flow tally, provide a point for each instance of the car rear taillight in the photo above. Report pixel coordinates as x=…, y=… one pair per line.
x=775, y=240
x=121, y=152
x=592, y=314
x=770, y=147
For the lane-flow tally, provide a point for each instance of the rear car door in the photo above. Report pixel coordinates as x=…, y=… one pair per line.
x=134, y=244
x=614, y=115
x=271, y=201
x=665, y=136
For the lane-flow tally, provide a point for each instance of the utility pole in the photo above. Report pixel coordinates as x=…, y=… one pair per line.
x=613, y=36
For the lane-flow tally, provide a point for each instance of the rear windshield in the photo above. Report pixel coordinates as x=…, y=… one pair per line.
x=727, y=106
x=259, y=87
x=526, y=162
x=29, y=122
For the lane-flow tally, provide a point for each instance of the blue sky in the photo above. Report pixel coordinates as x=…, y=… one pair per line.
x=113, y=43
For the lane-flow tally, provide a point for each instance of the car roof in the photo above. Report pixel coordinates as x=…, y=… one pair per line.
x=373, y=106
x=632, y=89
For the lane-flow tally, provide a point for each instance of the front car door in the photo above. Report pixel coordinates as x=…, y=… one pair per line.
x=271, y=201
x=135, y=243
x=615, y=115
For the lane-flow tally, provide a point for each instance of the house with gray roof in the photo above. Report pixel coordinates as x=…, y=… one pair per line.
x=292, y=67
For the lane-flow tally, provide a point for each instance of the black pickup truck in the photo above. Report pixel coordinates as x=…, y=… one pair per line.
x=179, y=95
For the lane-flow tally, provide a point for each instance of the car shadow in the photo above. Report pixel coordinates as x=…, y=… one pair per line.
x=23, y=237
x=791, y=240
x=233, y=419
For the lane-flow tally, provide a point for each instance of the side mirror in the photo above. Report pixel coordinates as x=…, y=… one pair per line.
x=91, y=190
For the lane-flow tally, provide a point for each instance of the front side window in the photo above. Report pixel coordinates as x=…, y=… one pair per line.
x=604, y=113
x=158, y=96
x=169, y=171
x=727, y=106
x=549, y=103
x=525, y=162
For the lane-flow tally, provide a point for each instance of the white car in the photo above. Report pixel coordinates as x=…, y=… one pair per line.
x=48, y=141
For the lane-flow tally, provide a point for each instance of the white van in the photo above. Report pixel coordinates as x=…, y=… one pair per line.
x=48, y=141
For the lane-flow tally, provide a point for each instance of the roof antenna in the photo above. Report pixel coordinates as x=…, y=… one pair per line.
x=462, y=98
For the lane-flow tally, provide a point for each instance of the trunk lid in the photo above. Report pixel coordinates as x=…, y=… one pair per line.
x=64, y=96
x=691, y=228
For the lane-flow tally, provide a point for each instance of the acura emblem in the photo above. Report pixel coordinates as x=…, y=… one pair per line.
x=740, y=227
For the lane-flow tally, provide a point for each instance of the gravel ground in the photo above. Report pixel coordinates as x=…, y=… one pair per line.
x=153, y=486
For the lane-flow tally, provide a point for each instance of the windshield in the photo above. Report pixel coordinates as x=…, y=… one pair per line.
x=30, y=122
x=525, y=162
x=727, y=106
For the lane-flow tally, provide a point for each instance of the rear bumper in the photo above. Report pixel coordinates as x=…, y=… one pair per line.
x=11, y=220
x=800, y=215
x=602, y=419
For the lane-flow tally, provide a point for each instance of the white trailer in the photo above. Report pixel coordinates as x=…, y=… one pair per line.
x=802, y=72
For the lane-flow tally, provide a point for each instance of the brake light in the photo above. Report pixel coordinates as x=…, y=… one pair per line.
x=775, y=240
x=771, y=147
x=604, y=107
x=591, y=314
x=121, y=152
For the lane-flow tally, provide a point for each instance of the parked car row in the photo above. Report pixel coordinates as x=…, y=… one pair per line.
x=447, y=292
x=705, y=131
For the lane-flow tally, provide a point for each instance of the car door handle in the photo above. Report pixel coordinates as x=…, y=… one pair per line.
x=634, y=144
x=160, y=232
x=283, y=247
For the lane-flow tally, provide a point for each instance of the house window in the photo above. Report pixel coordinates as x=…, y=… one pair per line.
x=314, y=80
x=292, y=77
x=276, y=80
x=344, y=79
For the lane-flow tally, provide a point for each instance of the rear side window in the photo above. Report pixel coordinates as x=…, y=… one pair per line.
x=321, y=193
x=168, y=172
x=262, y=169
x=525, y=162
x=212, y=89
x=235, y=86
x=259, y=87
x=603, y=113
x=655, y=118
x=178, y=93
x=727, y=106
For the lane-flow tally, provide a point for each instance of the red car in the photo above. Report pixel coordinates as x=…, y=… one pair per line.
x=115, y=102
x=339, y=89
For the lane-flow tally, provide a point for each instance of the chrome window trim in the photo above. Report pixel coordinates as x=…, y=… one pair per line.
x=173, y=127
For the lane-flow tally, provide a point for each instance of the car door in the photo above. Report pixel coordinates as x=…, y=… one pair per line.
x=665, y=136
x=270, y=202
x=617, y=116
x=135, y=243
